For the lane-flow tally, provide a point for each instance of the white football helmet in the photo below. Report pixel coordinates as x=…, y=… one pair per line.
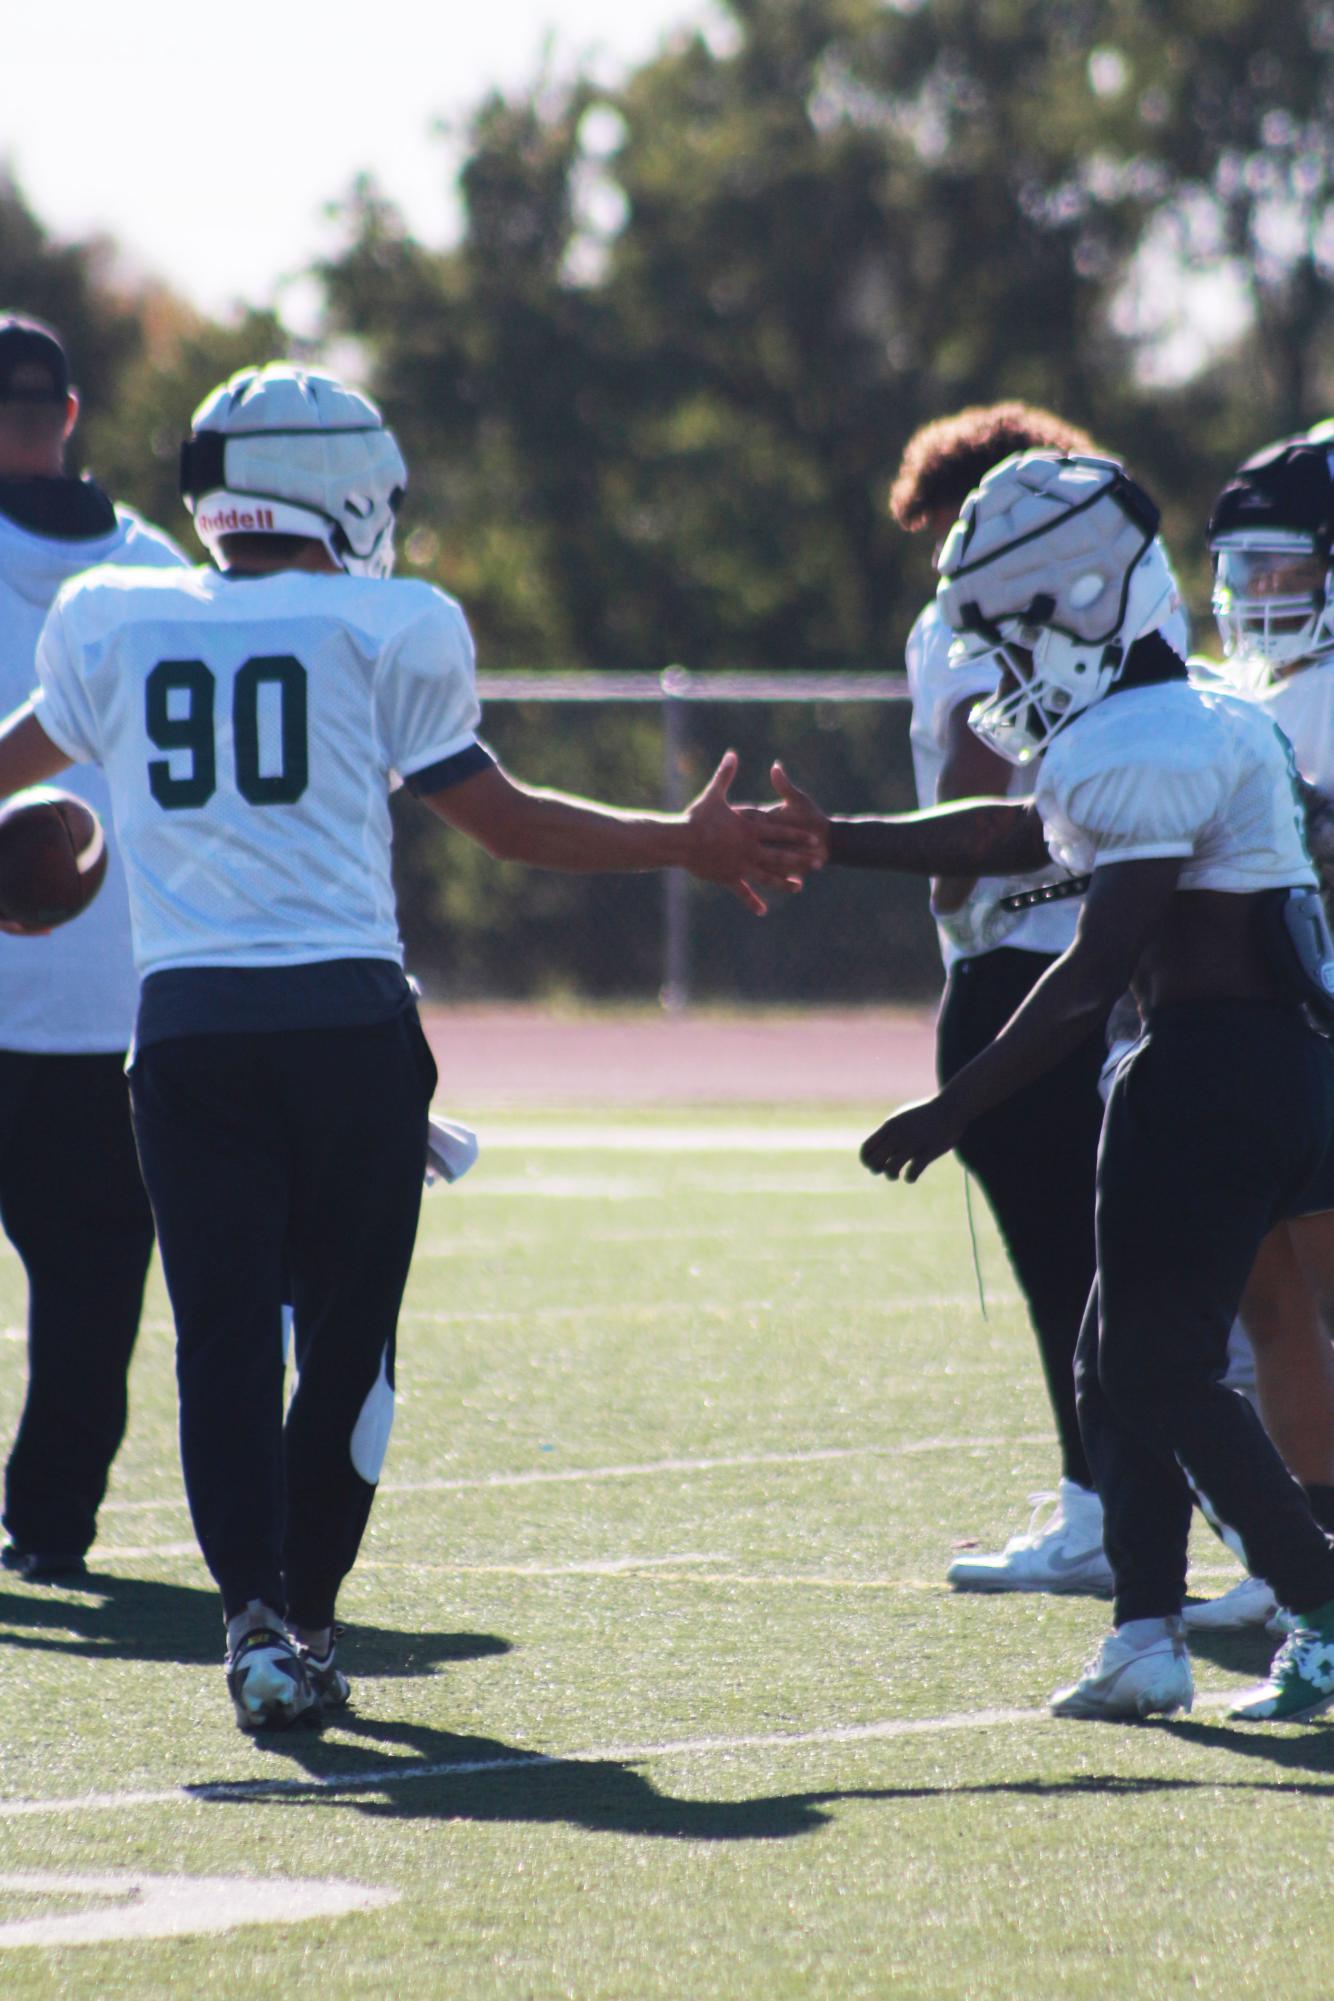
x=1053, y=570
x=1270, y=535
x=282, y=450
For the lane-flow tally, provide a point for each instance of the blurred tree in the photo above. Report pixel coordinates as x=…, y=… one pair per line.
x=134, y=444
x=652, y=398
x=72, y=286
x=656, y=392
x=141, y=357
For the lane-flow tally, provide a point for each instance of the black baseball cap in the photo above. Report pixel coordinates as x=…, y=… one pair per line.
x=34, y=367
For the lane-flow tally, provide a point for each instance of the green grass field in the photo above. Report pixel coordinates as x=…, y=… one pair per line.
x=658, y=1687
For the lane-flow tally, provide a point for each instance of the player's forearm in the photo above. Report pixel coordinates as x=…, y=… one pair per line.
x=973, y=838
x=1068, y=1004
x=552, y=831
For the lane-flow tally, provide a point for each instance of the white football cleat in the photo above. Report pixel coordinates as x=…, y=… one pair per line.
x=1124, y=1683
x=1060, y=1551
x=1250, y=1603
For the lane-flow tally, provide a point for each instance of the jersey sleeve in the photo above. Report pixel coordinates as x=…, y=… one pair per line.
x=1136, y=812
x=61, y=703
x=426, y=698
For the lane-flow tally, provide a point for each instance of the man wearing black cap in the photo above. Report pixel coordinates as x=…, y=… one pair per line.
x=71, y=1200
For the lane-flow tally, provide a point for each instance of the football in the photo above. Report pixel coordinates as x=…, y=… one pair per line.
x=53, y=856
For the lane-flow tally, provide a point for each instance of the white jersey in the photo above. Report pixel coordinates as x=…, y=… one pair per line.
x=72, y=993
x=1302, y=704
x=1173, y=771
x=249, y=728
x=936, y=690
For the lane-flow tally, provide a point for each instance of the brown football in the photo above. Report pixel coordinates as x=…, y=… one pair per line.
x=53, y=856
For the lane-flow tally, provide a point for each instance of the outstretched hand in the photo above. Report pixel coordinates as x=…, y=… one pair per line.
x=797, y=809
x=745, y=850
x=907, y=1143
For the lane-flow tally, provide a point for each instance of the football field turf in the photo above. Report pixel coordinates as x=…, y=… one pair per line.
x=659, y=1689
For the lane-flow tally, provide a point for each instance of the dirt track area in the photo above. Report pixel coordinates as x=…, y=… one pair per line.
x=529, y=1057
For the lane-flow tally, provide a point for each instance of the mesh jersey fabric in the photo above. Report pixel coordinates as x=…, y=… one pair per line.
x=1172, y=771
x=249, y=729
x=1302, y=704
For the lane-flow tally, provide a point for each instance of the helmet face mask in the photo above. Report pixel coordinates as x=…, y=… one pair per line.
x=289, y=451
x=1271, y=534
x=1046, y=680
x=1053, y=571
x=1271, y=600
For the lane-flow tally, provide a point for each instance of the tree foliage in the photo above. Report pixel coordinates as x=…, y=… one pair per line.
x=654, y=394
x=659, y=387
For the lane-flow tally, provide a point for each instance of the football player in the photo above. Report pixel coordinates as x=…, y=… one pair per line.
x=1270, y=536
x=1180, y=807
x=249, y=718
x=1033, y=1155
x=71, y=1195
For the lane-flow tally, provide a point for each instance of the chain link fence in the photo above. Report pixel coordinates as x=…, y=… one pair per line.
x=480, y=930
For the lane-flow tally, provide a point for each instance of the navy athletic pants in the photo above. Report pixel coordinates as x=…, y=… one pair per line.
x=1035, y=1157
x=284, y=1166
x=74, y=1208
x=1220, y=1124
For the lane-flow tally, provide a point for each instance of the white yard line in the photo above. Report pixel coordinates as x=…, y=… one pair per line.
x=500, y=1135
x=136, y=1905
x=654, y=1569
x=651, y=1468
x=643, y=1469
x=373, y=1777
x=471, y=1242
x=672, y=1309
x=602, y=1188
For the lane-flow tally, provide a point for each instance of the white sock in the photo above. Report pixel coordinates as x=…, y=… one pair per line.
x=1143, y=1633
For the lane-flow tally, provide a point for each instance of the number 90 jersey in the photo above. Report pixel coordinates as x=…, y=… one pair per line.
x=249, y=728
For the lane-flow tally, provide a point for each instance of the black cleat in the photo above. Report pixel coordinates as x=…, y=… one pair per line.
x=332, y=1688
x=42, y=1566
x=268, y=1682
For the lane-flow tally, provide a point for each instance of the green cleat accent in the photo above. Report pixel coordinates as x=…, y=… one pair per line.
x=1301, y=1677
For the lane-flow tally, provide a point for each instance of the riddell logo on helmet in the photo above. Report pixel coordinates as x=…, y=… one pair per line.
x=236, y=520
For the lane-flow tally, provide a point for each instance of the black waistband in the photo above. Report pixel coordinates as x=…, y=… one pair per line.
x=260, y=1000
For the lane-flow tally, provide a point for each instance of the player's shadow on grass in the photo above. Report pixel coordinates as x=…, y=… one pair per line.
x=1248, y=1652
x=448, y=1777
x=435, y=1775
x=127, y=1618
x=1301, y=1747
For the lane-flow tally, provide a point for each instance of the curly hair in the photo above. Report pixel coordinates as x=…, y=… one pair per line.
x=945, y=460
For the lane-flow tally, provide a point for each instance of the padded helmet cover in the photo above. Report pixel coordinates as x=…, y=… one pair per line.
x=1049, y=540
x=316, y=452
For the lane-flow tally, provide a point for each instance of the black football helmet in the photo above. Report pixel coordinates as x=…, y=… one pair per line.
x=1270, y=535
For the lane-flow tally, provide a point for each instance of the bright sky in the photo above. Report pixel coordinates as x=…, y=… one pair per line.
x=207, y=139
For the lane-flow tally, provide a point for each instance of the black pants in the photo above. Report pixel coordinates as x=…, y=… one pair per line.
x=1035, y=1158
x=1220, y=1125
x=74, y=1208
x=276, y=1163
